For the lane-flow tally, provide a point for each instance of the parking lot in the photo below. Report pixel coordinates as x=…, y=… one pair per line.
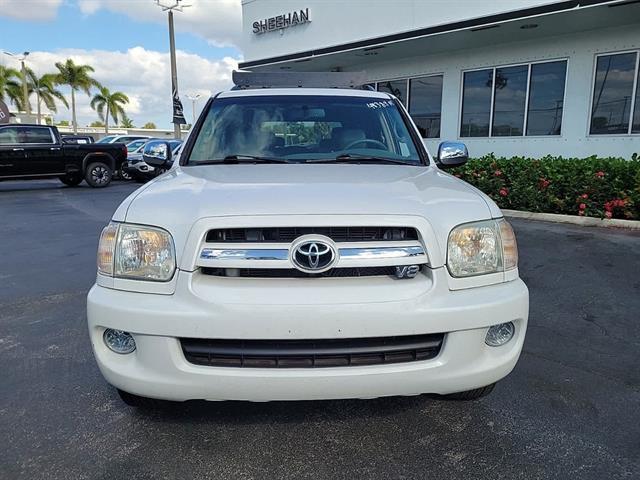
x=571, y=408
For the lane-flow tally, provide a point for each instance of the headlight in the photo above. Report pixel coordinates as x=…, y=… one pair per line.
x=481, y=247
x=136, y=252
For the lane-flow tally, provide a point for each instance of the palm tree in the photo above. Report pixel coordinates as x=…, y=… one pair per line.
x=126, y=122
x=105, y=103
x=45, y=90
x=10, y=87
x=78, y=78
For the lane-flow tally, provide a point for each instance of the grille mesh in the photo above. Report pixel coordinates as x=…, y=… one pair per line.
x=289, y=234
x=293, y=273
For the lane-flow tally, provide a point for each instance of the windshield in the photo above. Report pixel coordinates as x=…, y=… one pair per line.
x=300, y=128
x=135, y=146
x=106, y=139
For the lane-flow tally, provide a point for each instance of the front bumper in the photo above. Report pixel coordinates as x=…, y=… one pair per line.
x=138, y=168
x=158, y=368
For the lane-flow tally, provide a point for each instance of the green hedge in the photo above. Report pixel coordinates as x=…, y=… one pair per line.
x=595, y=187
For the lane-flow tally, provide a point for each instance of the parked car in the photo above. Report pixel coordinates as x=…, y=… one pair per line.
x=343, y=263
x=38, y=151
x=136, y=145
x=136, y=167
x=82, y=139
x=132, y=148
x=122, y=138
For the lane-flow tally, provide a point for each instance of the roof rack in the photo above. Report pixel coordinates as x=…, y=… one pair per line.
x=245, y=80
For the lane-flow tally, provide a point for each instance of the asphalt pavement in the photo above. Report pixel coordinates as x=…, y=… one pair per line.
x=570, y=409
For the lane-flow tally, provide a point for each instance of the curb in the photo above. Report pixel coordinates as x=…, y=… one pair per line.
x=574, y=220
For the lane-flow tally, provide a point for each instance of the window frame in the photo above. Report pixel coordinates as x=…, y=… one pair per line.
x=408, y=99
x=441, y=99
x=8, y=126
x=634, y=94
x=19, y=126
x=396, y=79
x=526, y=104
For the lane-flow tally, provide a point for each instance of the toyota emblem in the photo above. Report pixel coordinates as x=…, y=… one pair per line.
x=313, y=254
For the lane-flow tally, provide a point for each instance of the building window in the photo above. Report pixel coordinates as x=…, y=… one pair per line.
x=546, y=98
x=513, y=101
x=509, y=101
x=425, y=104
x=395, y=87
x=613, y=95
x=476, y=103
x=636, y=114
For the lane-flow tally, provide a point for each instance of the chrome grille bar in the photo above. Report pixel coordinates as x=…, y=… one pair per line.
x=244, y=254
x=364, y=256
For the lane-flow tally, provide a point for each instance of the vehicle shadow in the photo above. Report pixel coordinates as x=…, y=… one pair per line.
x=30, y=186
x=240, y=412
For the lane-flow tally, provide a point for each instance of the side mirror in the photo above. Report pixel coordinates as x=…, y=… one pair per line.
x=156, y=153
x=452, y=154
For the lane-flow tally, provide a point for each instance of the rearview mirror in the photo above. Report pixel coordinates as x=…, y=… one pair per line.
x=452, y=154
x=157, y=153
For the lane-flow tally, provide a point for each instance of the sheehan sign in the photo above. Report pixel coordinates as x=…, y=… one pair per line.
x=280, y=22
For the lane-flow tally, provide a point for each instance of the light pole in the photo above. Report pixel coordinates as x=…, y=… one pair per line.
x=39, y=109
x=194, y=98
x=170, y=6
x=25, y=89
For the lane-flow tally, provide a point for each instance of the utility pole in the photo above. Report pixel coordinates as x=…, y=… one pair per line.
x=25, y=89
x=194, y=98
x=177, y=106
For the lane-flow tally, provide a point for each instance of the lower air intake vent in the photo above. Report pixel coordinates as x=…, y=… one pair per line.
x=351, y=352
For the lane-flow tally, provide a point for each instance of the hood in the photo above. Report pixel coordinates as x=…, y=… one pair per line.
x=176, y=200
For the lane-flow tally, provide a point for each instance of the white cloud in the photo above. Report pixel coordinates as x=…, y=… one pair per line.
x=218, y=21
x=39, y=10
x=144, y=75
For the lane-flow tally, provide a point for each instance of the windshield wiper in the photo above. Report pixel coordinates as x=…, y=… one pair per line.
x=358, y=158
x=233, y=159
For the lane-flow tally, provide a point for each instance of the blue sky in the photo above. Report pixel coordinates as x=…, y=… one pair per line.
x=126, y=41
x=115, y=31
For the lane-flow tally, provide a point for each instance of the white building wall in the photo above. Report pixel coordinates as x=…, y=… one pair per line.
x=579, y=49
x=335, y=22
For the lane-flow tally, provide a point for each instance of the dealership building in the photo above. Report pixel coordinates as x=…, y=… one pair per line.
x=513, y=77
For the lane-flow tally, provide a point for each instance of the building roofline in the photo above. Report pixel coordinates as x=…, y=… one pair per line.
x=438, y=29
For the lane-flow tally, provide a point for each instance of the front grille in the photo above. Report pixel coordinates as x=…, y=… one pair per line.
x=293, y=273
x=289, y=234
x=311, y=353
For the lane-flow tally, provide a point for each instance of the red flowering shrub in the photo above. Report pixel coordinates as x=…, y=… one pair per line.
x=595, y=187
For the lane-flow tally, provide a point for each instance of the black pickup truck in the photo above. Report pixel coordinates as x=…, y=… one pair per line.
x=37, y=151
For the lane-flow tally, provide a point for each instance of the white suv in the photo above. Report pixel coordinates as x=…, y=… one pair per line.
x=305, y=245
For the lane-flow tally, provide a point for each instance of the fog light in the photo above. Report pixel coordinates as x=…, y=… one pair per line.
x=119, y=341
x=500, y=334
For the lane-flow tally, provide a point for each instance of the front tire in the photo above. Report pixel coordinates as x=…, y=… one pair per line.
x=71, y=180
x=471, y=394
x=98, y=175
x=124, y=175
x=138, y=401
